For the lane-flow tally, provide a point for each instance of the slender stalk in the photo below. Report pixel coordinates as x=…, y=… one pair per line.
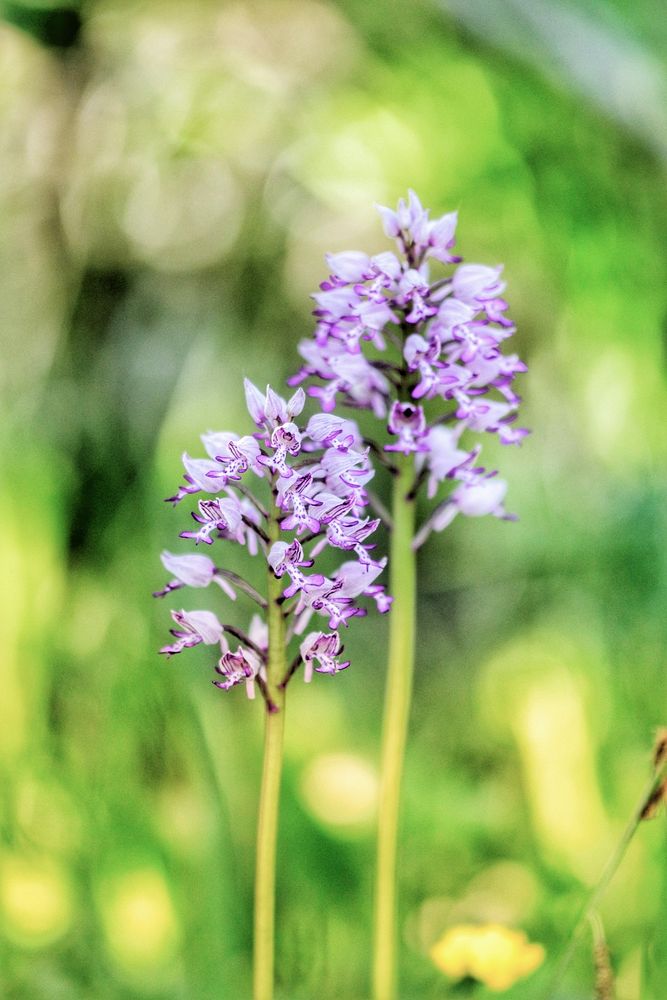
x=267, y=828
x=395, y=725
x=604, y=974
x=647, y=800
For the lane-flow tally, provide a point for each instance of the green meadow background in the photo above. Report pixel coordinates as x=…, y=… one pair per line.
x=171, y=175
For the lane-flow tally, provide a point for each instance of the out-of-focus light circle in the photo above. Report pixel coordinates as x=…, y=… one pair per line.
x=186, y=820
x=182, y=215
x=340, y=790
x=140, y=925
x=47, y=815
x=35, y=899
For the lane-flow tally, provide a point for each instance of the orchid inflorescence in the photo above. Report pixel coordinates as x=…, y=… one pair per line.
x=448, y=333
x=424, y=355
x=314, y=498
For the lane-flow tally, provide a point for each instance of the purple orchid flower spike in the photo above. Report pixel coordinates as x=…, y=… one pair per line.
x=286, y=493
x=423, y=352
x=451, y=331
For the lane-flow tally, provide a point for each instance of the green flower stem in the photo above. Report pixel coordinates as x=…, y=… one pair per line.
x=395, y=725
x=267, y=828
x=650, y=796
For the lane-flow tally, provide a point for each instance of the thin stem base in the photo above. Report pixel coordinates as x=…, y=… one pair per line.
x=265, y=874
x=269, y=801
x=398, y=698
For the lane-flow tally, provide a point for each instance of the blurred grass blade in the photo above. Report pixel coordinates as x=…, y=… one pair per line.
x=604, y=974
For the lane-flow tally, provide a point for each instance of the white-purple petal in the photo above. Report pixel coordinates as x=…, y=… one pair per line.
x=474, y=283
x=218, y=442
x=255, y=402
x=296, y=403
x=193, y=570
x=349, y=266
x=201, y=623
x=485, y=496
x=199, y=469
x=276, y=557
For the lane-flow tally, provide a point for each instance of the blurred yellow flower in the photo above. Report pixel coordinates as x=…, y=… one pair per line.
x=490, y=953
x=35, y=900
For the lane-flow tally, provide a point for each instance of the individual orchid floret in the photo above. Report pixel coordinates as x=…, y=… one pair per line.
x=236, y=456
x=322, y=648
x=241, y=667
x=336, y=597
x=234, y=459
x=442, y=238
x=408, y=224
x=477, y=495
x=507, y=434
x=476, y=284
x=346, y=472
x=385, y=273
x=196, y=478
x=217, y=445
x=452, y=313
x=346, y=268
x=194, y=627
x=285, y=440
x=421, y=355
x=223, y=515
x=348, y=376
x=289, y=558
x=442, y=455
x=269, y=409
x=191, y=571
x=413, y=294
x=358, y=580
x=331, y=431
x=499, y=371
x=350, y=317
x=454, y=381
x=328, y=599
x=349, y=532
x=492, y=416
x=475, y=340
x=409, y=423
x=299, y=501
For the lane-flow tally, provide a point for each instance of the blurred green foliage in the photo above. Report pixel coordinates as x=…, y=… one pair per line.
x=171, y=176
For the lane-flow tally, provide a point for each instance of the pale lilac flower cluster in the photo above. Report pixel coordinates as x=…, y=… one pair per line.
x=446, y=333
x=310, y=481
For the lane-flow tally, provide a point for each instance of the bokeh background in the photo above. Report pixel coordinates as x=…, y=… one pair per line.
x=170, y=177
